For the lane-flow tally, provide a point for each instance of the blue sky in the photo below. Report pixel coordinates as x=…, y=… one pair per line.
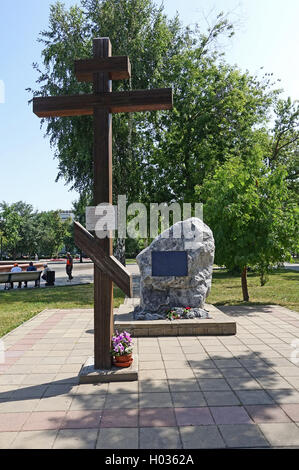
x=267, y=35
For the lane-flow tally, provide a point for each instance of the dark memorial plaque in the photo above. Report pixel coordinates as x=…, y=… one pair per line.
x=169, y=263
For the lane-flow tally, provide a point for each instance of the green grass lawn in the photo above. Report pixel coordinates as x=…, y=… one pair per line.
x=20, y=305
x=281, y=289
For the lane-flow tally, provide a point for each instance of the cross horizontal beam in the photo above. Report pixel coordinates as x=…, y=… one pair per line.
x=116, y=102
x=107, y=264
x=118, y=67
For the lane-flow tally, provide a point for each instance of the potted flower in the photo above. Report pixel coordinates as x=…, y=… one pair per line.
x=122, y=346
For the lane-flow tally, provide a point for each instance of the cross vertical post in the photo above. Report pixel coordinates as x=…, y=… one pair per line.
x=102, y=165
x=102, y=103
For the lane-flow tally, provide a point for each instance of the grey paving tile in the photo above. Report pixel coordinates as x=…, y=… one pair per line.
x=160, y=438
x=155, y=400
x=34, y=440
x=188, y=399
x=254, y=397
x=201, y=437
x=242, y=435
x=6, y=439
x=213, y=385
x=284, y=396
x=76, y=439
x=187, y=385
x=118, y=438
x=121, y=400
x=221, y=398
x=281, y=434
x=154, y=386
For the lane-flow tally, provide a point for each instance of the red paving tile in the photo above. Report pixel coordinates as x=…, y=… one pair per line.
x=292, y=410
x=193, y=416
x=230, y=415
x=81, y=420
x=157, y=417
x=40, y=420
x=12, y=421
x=267, y=413
x=120, y=418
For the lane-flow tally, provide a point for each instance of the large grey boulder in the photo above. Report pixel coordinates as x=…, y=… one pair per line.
x=159, y=294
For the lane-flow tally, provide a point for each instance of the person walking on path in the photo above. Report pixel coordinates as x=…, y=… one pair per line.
x=69, y=266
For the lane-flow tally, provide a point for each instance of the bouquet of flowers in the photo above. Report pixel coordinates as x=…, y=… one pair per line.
x=122, y=344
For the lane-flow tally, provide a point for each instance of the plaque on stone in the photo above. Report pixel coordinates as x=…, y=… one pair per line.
x=169, y=263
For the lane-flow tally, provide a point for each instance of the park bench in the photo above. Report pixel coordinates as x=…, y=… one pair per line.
x=7, y=278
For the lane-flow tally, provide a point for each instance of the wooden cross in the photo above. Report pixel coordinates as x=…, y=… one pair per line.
x=101, y=70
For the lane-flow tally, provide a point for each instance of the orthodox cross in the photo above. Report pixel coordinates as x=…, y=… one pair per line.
x=101, y=70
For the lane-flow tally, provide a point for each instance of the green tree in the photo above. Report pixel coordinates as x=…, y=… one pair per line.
x=10, y=223
x=51, y=233
x=252, y=216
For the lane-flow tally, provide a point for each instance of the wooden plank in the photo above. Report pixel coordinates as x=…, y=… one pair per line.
x=102, y=191
x=118, y=68
x=115, y=102
x=106, y=263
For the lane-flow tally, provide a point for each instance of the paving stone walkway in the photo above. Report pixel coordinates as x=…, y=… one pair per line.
x=193, y=392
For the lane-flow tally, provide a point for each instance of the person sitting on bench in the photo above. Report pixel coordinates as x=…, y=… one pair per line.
x=16, y=269
x=31, y=268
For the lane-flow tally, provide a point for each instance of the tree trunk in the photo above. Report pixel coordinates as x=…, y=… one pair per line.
x=120, y=250
x=244, y=284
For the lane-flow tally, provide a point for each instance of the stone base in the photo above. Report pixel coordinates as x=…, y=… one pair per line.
x=89, y=375
x=218, y=324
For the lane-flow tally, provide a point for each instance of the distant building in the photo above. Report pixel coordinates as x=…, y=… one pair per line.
x=64, y=215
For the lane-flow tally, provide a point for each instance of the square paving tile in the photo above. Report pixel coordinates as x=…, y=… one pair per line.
x=155, y=400
x=243, y=383
x=187, y=385
x=292, y=410
x=213, y=385
x=87, y=402
x=243, y=435
x=221, y=398
x=193, y=416
x=54, y=404
x=188, y=399
x=154, y=417
x=201, y=437
x=153, y=386
x=281, y=434
x=121, y=400
x=274, y=382
x=254, y=397
x=18, y=406
x=227, y=363
x=160, y=438
x=267, y=413
x=123, y=387
x=285, y=396
x=43, y=420
x=230, y=415
x=81, y=419
x=118, y=438
x=152, y=375
x=235, y=372
x=121, y=418
x=76, y=439
x=34, y=440
x=14, y=422
x=6, y=439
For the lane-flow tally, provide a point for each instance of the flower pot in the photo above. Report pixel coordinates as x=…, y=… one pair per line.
x=123, y=361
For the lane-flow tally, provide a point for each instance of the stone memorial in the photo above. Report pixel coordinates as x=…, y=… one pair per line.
x=176, y=271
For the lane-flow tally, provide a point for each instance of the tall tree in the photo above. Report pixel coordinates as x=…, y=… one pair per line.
x=251, y=213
